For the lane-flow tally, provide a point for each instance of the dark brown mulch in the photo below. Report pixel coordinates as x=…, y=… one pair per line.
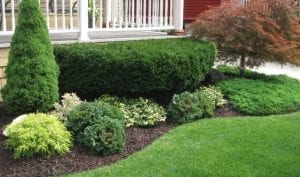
x=227, y=110
x=80, y=158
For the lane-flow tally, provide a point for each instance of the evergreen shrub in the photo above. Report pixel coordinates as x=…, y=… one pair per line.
x=32, y=73
x=38, y=134
x=134, y=67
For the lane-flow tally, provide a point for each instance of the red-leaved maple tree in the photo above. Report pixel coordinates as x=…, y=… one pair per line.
x=254, y=32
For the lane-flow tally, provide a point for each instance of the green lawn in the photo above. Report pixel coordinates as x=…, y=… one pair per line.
x=246, y=147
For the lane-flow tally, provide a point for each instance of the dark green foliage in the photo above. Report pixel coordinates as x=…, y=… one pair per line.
x=89, y=113
x=259, y=94
x=38, y=134
x=152, y=66
x=105, y=137
x=187, y=107
x=32, y=73
x=98, y=125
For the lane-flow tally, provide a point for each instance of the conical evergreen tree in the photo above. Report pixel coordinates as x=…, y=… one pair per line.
x=32, y=72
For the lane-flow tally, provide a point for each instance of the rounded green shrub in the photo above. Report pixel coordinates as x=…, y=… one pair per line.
x=139, y=111
x=123, y=68
x=187, y=107
x=89, y=113
x=32, y=73
x=38, y=134
x=98, y=125
x=105, y=137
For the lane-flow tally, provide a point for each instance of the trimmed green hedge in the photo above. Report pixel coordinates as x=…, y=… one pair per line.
x=152, y=66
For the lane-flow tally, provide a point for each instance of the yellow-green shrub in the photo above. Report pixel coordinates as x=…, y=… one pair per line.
x=38, y=134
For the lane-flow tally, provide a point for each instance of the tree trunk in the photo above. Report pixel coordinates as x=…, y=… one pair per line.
x=242, y=65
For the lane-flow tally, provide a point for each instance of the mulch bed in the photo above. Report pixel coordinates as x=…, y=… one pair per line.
x=80, y=158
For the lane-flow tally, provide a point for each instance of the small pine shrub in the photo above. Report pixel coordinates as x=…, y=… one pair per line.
x=139, y=111
x=69, y=101
x=32, y=73
x=104, y=137
x=134, y=67
x=98, y=125
x=214, y=94
x=39, y=134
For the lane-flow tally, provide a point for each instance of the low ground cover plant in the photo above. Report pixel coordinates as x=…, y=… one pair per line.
x=259, y=94
x=38, y=134
x=139, y=111
x=98, y=125
x=134, y=67
x=187, y=107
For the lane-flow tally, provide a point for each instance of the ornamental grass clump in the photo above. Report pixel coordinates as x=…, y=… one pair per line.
x=32, y=73
x=38, y=134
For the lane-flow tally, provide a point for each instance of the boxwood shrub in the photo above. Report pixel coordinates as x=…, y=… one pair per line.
x=151, y=66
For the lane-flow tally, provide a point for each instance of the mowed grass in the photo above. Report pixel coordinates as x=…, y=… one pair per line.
x=245, y=147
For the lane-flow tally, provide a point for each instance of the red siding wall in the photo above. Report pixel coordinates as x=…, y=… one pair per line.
x=193, y=7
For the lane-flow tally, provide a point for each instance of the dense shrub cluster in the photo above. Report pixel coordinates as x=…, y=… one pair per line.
x=139, y=111
x=152, y=66
x=259, y=94
x=32, y=73
x=98, y=125
x=187, y=107
x=38, y=134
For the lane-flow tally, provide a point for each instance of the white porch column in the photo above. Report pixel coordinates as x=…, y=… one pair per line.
x=107, y=12
x=178, y=7
x=83, y=20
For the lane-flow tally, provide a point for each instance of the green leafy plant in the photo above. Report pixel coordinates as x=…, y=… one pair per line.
x=100, y=126
x=69, y=101
x=187, y=107
x=214, y=94
x=134, y=67
x=139, y=111
x=38, y=134
x=105, y=137
x=259, y=94
x=32, y=73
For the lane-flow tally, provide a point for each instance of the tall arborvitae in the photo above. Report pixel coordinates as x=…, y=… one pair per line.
x=32, y=73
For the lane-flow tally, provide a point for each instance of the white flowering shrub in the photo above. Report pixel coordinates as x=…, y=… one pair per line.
x=68, y=102
x=214, y=94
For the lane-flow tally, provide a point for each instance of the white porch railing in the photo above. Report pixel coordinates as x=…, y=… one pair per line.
x=83, y=16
